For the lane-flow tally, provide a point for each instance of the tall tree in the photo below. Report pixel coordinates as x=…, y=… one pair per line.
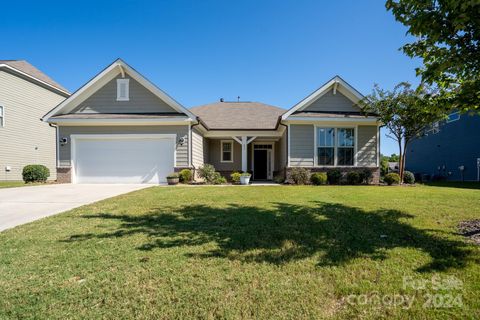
x=405, y=112
x=448, y=33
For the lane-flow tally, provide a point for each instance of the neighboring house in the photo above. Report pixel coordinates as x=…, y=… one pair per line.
x=25, y=95
x=119, y=127
x=450, y=149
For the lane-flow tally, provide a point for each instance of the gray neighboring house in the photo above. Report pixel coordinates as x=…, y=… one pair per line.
x=450, y=149
x=121, y=128
x=25, y=95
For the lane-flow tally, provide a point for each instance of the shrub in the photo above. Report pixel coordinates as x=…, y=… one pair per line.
x=392, y=178
x=235, y=176
x=318, y=178
x=366, y=176
x=35, y=173
x=279, y=179
x=207, y=172
x=334, y=176
x=408, y=177
x=218, y=179
x=173, y=175
x=185, y=175
x=353, y=177
x=300, y=175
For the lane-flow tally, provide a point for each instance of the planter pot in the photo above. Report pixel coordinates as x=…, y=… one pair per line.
x=244, y=179
x=173, y=181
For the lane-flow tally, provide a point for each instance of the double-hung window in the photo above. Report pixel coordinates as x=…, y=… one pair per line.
x=335, y=146
x=2, y=117
x=226, y=151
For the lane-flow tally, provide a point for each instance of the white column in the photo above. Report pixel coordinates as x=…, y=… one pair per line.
x=244, y=153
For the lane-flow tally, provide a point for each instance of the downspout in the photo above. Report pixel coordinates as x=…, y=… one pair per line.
x=56, y=143
x=191, y=144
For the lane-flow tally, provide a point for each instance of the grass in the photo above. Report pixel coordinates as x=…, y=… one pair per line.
x=246, y=252
x=12, y=184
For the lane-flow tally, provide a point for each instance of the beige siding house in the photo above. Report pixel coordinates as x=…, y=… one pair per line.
x=26, y=94
x=121, y=128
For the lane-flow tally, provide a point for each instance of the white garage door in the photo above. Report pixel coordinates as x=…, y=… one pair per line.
x=122, y=158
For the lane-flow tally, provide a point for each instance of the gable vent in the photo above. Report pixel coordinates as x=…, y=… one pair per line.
x=123, y=93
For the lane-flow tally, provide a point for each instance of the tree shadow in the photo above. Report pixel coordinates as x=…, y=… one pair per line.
x=334, y=233
x=455, y=184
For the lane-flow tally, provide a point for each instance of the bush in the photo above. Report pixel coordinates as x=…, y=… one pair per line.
x=207, y=172
x=300, y=175
x=334, y=176
x=366, y=176
x=218, y=179
x=408, y=177
x=392, y=178
x=35, y=173
x=353, y=177
x=318, y=178
x=185, y=175
x=235, y=176
x=279, y=179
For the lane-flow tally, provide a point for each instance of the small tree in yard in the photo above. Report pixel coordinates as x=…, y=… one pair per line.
x=405, y=112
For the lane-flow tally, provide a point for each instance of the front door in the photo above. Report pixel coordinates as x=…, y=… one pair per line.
x=260, y=164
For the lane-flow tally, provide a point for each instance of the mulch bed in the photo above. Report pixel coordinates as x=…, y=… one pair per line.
x=471, y=230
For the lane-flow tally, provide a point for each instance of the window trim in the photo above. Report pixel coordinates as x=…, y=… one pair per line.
x=221, y=151
x=335, y=164
x=2, y=116
x=126, y=82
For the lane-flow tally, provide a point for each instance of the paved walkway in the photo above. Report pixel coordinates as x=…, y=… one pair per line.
x=26, y=204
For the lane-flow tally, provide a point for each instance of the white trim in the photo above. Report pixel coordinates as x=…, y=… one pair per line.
x=335, y=156
x=2, y=116
x=288, y=146
x=126, y=83
x=313, y=120
x=2, y=65
x=221, y=151
x=104, y=77
x=250, y=133
x=272, y=158
x=378, y=145
x=339, y=84
x=120, y=122
x=190, y=146
x=74, y=137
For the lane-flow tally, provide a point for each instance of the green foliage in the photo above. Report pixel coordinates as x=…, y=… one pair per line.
x=408, y=177
x=392, y=178
x=173, y=175
x=366, y=176
x=185, y=175
x=279, y=179
x=334, y=176
x=218, y=179
x=207, y=173
x=300, y=175
x=448, y=34
x=35, y=173
x=394, y=158
x=318, y=178
x=235, y=177
x=354, y=177
x=383, y=166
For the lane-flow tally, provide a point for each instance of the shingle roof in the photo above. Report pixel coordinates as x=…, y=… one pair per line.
x=27, y=68
x=239, y=115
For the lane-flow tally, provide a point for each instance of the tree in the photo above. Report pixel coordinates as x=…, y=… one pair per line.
x=394, y=158
x=405, y=112
x=448, y=33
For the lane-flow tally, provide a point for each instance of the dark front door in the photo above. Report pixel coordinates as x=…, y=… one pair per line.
x=260, y=164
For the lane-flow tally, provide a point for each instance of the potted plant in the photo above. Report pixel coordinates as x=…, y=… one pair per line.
x=245, y=178
x=173, y=179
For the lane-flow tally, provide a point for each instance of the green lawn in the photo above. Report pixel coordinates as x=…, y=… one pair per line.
x=11, y=184
x=247, y=252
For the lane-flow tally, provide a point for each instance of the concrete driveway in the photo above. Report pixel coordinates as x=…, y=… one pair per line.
x=26, y=204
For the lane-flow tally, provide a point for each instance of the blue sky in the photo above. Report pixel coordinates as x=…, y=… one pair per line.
x=276, y=52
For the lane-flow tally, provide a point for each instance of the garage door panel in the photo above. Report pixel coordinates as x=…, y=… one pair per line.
x=123, y=160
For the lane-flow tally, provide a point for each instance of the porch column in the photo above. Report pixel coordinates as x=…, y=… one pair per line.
x=244, y=141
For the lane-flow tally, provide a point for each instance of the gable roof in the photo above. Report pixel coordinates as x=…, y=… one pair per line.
x=337, y=83
x=25, y=69
x=109, y=73
x=239, y=116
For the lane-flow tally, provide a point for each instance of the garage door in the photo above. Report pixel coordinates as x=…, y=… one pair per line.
x=122, y=158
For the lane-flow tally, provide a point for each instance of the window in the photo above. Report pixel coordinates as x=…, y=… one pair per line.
x=123, y=90
x=335, y=146
x=226, y=151
x=326, y=146
x=455, y=116
x=2, y=117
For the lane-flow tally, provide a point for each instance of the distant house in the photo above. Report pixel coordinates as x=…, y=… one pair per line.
x=26, y=94
x=450, y=149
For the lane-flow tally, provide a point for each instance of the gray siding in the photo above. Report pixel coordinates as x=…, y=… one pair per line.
x=105, y=100
x=25, y=139
x=214, y=156
x=332, y=102
x=367, y=146
x=180, y=131
x=198, y=149
x=301, y=145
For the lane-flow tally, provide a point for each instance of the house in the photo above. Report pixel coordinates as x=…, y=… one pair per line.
x=449, y=150
x=121, y=128
x=25, y=95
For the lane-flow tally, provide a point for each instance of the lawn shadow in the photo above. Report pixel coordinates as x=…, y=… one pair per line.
x=455, y=184
x=334, y=233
